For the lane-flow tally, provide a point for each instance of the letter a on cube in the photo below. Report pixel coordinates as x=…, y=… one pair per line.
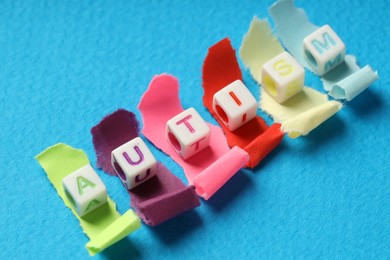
x=85, y=190
x=188, y=133
x=282, y=77
x=234, y=105
x=134, y=163
x=324, y=50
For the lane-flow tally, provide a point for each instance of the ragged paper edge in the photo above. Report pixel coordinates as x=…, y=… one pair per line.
x=263, y=144
x=354, y=84
x=122, y=227
x=106, y=138
x=309, y=120
x=311, y=109
x=256, y=49
x=204, y=187
x=155, y=210
x=220, y=68
x=167, y=205
x=104, y=219
x=163, y=91
x=114, y=130
x=346, y=80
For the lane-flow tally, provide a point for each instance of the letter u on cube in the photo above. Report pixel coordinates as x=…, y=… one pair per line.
x=134, y=163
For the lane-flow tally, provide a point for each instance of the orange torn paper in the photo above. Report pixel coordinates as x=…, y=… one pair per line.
x=220, y=68
x=207, y=170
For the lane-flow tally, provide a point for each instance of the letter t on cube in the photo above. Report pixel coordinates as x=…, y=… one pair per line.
x=188, y=133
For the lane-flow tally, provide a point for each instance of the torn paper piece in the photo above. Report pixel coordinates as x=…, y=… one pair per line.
x=114, y=130
x=351, y=86
x=119, y=229
x=258, y=47
x=220, y=68
x=163, y=197
x=346, y=80
x=156, y=200
x=159, y=104
x=104, y=226
x=301, y=113
x=234, y=159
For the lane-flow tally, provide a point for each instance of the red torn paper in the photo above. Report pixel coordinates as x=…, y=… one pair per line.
x=159, y=104
x=221, y=68
x=156, y=200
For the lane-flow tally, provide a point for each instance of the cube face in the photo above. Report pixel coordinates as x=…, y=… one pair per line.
x=85, y=190
x=324, y=50
x=282, y=77
x=134, y=163
x=234, y=105
x=188, y=133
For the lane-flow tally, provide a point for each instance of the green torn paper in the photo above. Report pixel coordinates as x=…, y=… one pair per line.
x=303, y=112
x=104, y=226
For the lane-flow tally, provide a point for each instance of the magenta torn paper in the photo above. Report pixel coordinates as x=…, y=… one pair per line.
x=158, y=199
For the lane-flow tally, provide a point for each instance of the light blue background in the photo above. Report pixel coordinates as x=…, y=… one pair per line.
x=66, y=64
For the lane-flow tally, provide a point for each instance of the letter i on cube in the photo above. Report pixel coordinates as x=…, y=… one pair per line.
x=134, y=163
x=282, y=77
x=324, y=49
x=234, y=105
x=188, y=133
x=85, y=190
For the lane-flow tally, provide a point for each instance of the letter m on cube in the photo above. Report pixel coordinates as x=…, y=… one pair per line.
x=324, y=50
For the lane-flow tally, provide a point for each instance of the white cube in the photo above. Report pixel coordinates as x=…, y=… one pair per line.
x=134, y=163
x=235, y=105
x=85, y=190
x=188, y=133
x=282, y=77
x=324, y=49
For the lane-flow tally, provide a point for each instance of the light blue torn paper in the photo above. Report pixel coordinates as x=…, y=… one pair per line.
x=345, y=81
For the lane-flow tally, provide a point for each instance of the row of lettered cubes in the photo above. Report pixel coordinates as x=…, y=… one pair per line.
x=188, y=133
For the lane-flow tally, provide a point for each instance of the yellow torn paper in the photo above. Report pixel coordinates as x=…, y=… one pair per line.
x=104, y=226
x=301, y=113
x=258, y=47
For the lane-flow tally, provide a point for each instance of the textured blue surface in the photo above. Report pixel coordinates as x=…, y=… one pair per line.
x=66, y=64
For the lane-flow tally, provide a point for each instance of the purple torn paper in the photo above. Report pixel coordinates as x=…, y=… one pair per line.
x=158, y=199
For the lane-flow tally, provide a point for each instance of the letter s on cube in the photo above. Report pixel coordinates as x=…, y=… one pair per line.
x=134, y=163
x=324, y=50
x=282, y=77
x=188, y=133
x=85, y=190
x=234, y=105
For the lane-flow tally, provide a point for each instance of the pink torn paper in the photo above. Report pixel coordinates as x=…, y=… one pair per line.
x=156, y=200
x=207, y=170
